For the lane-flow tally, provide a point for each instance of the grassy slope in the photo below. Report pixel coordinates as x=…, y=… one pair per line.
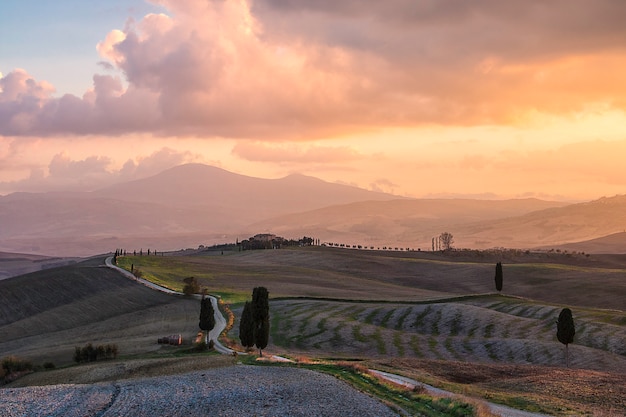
x=481, y=331
x=398, y=276
x=85, y=303
x=44, y=315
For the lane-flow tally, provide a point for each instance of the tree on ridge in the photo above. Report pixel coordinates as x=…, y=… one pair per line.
x=446, y=240
x=565, y=330
x=499, y=276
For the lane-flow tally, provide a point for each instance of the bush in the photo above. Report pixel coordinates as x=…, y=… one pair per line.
x=13, y=364
x=48, y=366
x=191, y=286
x=201, y=346
x=89, y=353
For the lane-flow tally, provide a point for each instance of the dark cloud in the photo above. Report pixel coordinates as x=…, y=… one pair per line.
x=487, y=25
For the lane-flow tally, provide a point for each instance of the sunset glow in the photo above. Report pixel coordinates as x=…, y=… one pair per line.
x=421, y=99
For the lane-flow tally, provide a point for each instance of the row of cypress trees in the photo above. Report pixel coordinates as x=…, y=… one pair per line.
x=254, y=327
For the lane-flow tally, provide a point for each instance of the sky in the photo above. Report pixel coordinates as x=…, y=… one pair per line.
x=420, y=98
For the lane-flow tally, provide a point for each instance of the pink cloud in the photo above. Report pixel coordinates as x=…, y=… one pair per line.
x=93, y=172
x=156, y=162
x=291, y=153
x=301, y=69
x=62, y=166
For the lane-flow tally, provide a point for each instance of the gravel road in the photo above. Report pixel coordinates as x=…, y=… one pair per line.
x=500, y=410
x=232, y=391
x=220, y=321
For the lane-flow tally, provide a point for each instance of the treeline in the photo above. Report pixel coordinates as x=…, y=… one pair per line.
x=268, y=241
x=91, y=353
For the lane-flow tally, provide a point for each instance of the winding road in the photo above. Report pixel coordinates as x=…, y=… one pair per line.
x=409, y=383
x=220, y=321
x=220, y=325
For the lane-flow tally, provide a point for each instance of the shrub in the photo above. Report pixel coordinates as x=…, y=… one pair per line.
x=201, y=346
x=191, y=286
x=89, y=353
x=48, y=366
x=13, y=364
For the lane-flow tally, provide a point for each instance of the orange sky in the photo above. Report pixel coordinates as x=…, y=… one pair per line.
x=420, y=98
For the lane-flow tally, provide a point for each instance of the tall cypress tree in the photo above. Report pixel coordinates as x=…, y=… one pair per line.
x=207, y=317
x=565, y=330
x=246, y=326
x=261, y=317
x=263, y=334
x=499, y=276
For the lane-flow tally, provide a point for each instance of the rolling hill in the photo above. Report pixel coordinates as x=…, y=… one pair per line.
x=524, y=224
x=405, y=223
x=613, y=243
x=14, y=264
x=86, y=303
x=436, y=311
x=196, y=204
x=182, y=207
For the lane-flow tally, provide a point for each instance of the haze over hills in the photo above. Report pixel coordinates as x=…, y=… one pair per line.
x=184, y=206
x=208, y=186
x=411, y=223
x=476, y=224
x=198, y=204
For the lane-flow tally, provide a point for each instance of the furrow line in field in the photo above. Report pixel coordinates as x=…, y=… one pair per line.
x=400, y=322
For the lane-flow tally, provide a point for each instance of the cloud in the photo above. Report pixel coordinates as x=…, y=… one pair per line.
x=93, y=172
x=293, y=153
x=299, y=69
x=383, y=185
x=156, y=162
x=62, y=166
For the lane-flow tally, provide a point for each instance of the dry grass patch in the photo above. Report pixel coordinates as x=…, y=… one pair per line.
x=556, y=391
x=120, y=370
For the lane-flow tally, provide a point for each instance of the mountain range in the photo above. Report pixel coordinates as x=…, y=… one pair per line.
x=196, y=204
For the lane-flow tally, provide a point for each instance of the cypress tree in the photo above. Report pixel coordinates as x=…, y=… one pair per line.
x=565, y=330
x=499, y=276
x=207, y=316
x=261, y=317
x=246, y=326
x=263, y=334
